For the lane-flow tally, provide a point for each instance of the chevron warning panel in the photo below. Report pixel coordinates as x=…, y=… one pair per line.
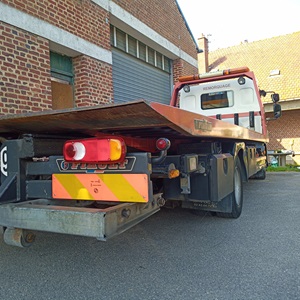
x=101, y=187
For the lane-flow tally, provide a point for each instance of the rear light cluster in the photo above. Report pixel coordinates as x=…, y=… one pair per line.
x=95, y=150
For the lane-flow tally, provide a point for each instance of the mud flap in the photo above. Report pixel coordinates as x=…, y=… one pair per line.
x=225, y=205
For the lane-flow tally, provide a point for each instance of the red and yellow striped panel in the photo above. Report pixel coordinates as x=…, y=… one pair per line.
x=101, y=187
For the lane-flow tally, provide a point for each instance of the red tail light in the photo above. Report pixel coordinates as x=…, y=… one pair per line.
x=95, y=150
x=163, y=144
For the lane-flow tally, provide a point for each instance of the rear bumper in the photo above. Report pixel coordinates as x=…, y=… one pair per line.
x=61, y=217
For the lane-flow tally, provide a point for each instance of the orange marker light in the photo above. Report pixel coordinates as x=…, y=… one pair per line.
x=173, y=173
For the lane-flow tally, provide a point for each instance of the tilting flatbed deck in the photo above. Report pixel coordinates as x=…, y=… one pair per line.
x=139, y=118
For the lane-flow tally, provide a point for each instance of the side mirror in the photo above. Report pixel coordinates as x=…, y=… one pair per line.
x=277, y=110
x=275, y=97
x=262, y=93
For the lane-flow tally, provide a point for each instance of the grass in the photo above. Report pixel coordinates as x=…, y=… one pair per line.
x=287, y=168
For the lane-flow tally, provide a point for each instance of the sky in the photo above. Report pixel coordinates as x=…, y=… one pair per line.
x=227, y=23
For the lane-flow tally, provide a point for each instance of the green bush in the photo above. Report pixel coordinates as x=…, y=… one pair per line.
x=287, y=168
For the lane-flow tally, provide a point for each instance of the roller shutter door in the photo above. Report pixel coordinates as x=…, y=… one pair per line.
x=134, y=79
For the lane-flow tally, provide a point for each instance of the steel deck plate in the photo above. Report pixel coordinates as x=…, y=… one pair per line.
x=138, y=118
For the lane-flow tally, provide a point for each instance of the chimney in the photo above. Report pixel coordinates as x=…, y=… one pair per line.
x=203, y=56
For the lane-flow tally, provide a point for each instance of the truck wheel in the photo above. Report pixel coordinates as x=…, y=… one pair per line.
x=236, y=197
x=260, y=174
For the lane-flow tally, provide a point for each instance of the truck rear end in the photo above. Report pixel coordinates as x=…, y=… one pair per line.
x=41, y=191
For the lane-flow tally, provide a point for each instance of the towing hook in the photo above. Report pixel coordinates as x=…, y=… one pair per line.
x=160, y=158
x=162, y=144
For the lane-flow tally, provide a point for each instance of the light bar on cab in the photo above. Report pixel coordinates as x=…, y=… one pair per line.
x=214, y=74
x=95, y=150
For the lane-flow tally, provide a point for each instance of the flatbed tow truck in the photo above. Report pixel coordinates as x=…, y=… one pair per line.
x=98, y=171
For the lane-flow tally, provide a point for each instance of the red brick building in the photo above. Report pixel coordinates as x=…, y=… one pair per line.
x=74, y=53
x=276, y=63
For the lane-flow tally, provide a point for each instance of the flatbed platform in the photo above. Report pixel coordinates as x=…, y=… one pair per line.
x=138, y=118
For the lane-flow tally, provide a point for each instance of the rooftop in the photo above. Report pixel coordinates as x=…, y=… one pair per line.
x=275, y=62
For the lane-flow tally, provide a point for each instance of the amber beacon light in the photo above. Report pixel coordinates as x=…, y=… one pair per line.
x=214, y=74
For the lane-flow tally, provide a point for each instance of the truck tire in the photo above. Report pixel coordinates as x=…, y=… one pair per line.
x=260, y=174
x=236, y=197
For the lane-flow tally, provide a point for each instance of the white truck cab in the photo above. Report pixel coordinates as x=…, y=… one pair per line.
x=233, y=100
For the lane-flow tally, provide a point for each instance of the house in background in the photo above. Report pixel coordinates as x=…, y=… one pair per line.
x=276, y=64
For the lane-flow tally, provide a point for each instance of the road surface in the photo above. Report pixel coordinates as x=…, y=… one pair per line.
x=172, y=255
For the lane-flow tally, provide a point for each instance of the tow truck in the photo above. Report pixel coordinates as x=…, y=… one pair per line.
x=98, y=171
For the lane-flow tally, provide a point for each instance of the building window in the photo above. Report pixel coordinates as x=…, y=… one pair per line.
x=142, y=51
x=151, y=56
x=167, y=64
x=61, y=81
x=121, y=40
x=275, y=72
x=159, y=60
x=134, y=47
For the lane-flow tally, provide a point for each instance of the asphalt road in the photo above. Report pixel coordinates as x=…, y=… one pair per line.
x=172, y=255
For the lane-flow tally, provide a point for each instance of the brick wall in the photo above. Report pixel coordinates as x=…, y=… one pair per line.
x=24, y=70
x=180, y=68
x=30, y=90
x=24, y=57
x=81, y=17
x=284, y=133
x=93, y=81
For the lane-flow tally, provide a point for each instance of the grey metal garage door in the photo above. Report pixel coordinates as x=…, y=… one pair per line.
x=133, y=79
